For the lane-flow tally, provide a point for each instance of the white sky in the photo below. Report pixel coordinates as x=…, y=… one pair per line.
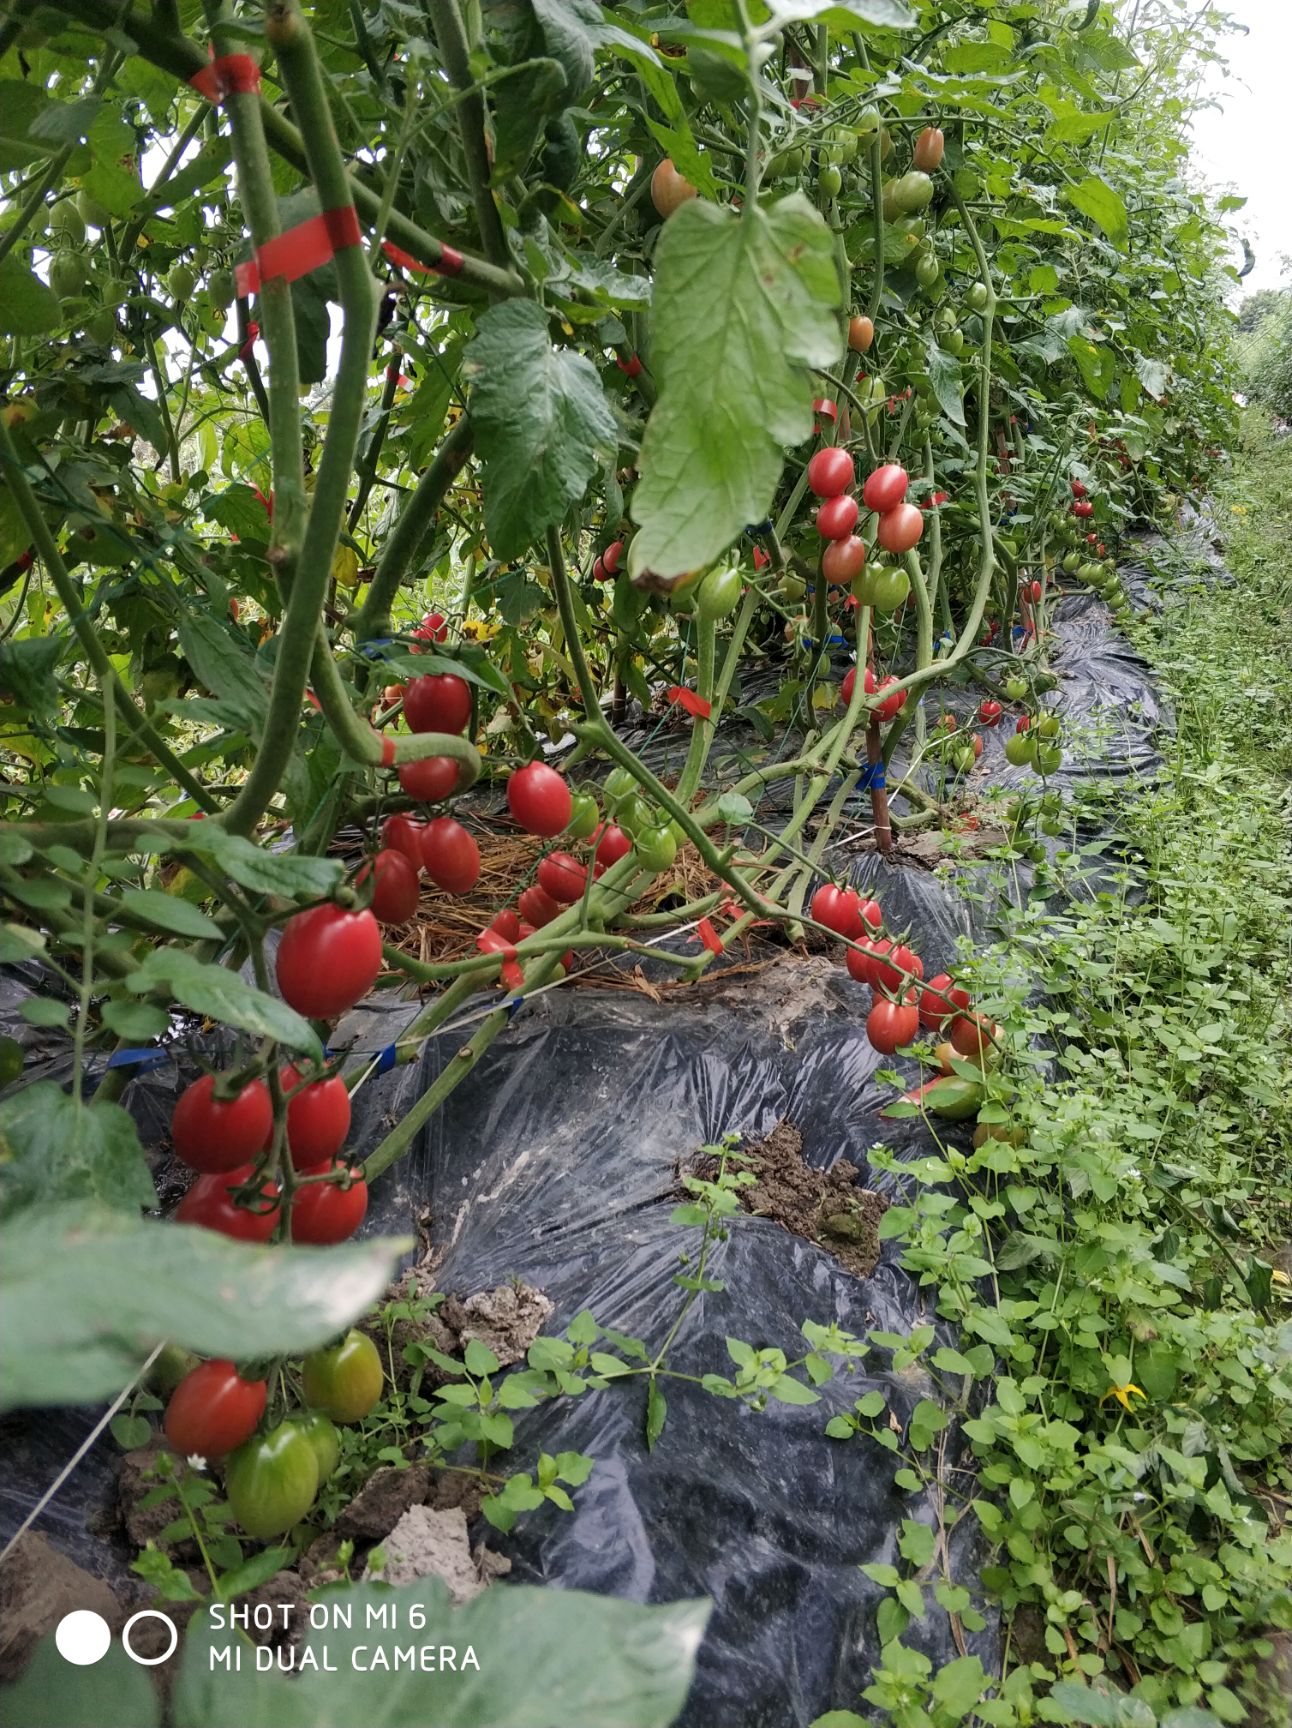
x=1241, y=144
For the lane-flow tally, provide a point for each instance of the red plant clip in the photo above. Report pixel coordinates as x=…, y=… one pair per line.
x=631, y=367
x=709, y=936
x=694, y=705
x=300, y=250
x=450, y=262
x=227, y=75
x=244, y=353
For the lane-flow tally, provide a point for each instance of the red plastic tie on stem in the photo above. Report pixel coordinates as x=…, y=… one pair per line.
x=227, y=75
x=450, y=262
x=300, y=250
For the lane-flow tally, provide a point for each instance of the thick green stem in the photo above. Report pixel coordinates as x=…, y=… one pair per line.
x=373, y=617
x=472, y=122
x=704, y=727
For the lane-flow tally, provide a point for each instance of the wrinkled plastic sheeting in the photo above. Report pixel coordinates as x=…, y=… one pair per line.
x=556, y=1163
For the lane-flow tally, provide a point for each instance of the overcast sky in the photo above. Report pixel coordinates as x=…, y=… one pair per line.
x=1242, y=144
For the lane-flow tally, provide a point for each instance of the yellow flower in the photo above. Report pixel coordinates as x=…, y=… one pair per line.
x=481, y=629
x=1122, y=1394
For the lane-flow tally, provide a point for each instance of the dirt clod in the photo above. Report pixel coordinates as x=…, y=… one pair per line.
x=38, y=1585
x=828, y=1207
x=382, y=1501
x=505, y=1320
x=430, y=1544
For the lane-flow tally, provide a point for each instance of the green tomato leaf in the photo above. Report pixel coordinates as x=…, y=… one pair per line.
x=958, y=1686
x=115, y=1692
x=573, y=1658
x=293, y=875
x=225, y=664
x=542, y=423
x=88, y=1293
x=1098, y=367
x=22, y=102
x=113, y=177
x=27, y=306
x=1095, y=198
x=743, y=307
x=167, y=912
x=944, y=375
x=221, y=995
x=54, y=1149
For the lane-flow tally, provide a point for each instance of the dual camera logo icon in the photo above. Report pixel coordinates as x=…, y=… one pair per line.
x=83, y=1637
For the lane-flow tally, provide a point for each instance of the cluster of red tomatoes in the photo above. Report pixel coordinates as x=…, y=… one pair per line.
x=272, y=1474
x=1081, y=505
x=889, y=708
x=831, y=476
x=903, y=1003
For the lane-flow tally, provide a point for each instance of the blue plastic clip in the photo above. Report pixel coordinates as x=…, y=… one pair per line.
x=873, y=778
x=512, y=1004
x=144, y=1060
x=387, y=1059
x=373, y=648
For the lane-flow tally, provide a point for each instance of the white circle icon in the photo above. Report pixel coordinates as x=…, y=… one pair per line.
x=149, y=1614
x=83, y=1637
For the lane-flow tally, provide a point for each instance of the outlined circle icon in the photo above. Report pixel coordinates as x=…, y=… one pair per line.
x=82, y=1637
x=149, y=1614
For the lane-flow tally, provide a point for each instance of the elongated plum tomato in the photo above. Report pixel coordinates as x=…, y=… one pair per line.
x=506, y=924
x=898, y=968
x=322, y=1437
x=211, y=1134
x=437, y=702
x=843, y=559
x=540, y=800
x=537, y=907
x=927, y=154
x=611, y=556
x=612, y=845
x=1078, y=489
x=394, y=888
x=271, y=1481
x=668, y=188
x=936, y=1001
x=870, y=915
x=213, y=1410
x=900, y=528
x=861, y=333
x=837, y=517
x=318, y=1117
x=450, y=855
x=889, y=1025
x=974, y=1036
x=327, y=1212
x=885, y=488
x=839, y=909
x=831, y=472
x=345, y=1381
x=402, y=834
x=209, y=1203
x=562, y=877
x=989, y=712
x=860, y=960
x=327, y=959
x=430, y=780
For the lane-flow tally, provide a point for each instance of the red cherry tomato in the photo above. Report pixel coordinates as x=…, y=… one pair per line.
x=562, y=878
x=869, y=913
x=537, y=907
x=506, y=924
x=450, y=855
x=1036, y=591
x=402, y=834
x=1023, y=723
x=895, y=971
x=889, y=1025
x=891, y=705
x=934, y=1000
x=611, y=556
x=431, y=779
x=540, y=800
x=838, y=909
x=837, y=517
x=437, y=702
x=209, y=1203
x=1078, y=489
x=860, y=961
x=927, y=154
x=394, y=891
x=327, y=959
x=899, y=529
x=973, y=1036
x=213, y=1409
x=433, y=628
x=830, y=472
x=599, y=571
x=843, y=559
x=327, y=1212
x=212, y=1134
x=976, y=745
x=989, y=712
x=612, y=845
x=318, y=1117
x=849, y=685
x=1083, y=508
x=885, y=488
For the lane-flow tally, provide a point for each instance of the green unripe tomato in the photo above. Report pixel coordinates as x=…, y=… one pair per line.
x=222, y=289
x=1072, y=562
x=830, y=181
x=635, y=814
x=66, y=223
x=584, y=816
x=927, y=269
x=867, y=123
x=1047, y=759
x=962, y=759
x=619, y=786
x=66, y=275
x=719, y=594
x=912, y=192
x=92, y=211
x=324, y=1441
x=976, y=297
x=791, y=588
x=953, y=342
x=1020, y=749
x=344, y=1382
x=656, y=848
x=1048, y=726
x=181, y=280
x=1016, y=689
x=1052, y=826
x=271, y=1481
x=101, y=326
x=1045, y=681
x=884, y=587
